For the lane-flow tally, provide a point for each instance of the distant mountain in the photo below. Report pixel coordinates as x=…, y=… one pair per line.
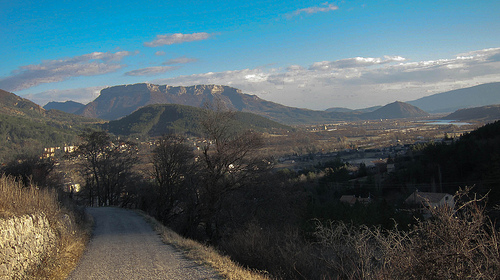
x=484, y=113
x=347, y=110
x=159, y=119
x=119, y=101
x=369, y=109
x=68, y=106
x=450, y=101
x=339, y=110
x=395, y=110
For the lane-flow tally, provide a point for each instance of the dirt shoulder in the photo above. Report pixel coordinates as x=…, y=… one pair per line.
x=124, y=246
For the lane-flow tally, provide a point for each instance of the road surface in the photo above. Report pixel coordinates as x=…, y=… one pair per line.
x=124, y=246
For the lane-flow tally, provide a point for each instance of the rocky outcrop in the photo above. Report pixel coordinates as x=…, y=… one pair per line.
x=24, y=242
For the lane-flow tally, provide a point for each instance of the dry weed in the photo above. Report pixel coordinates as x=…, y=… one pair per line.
x=457, y=243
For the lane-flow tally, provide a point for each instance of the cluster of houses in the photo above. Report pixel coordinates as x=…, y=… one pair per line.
x=51, y=152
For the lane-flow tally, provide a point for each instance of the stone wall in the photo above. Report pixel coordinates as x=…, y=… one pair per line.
x=24, y=242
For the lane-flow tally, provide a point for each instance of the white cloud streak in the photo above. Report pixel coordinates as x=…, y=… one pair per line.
x=50, y=71
x=177, y=38
x=155, y=70
x=180, y=60
x=327, y=7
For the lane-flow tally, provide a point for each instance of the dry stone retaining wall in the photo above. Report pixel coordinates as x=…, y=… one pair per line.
x=24, y=242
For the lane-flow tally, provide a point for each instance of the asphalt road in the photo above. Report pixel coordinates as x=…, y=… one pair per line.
x=124, y=246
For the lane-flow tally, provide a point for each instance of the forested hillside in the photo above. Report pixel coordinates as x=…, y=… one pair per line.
x=159, y=119
x=26, y=128
x=471, y=160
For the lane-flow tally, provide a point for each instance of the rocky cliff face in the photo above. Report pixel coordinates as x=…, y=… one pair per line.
x=119, y=101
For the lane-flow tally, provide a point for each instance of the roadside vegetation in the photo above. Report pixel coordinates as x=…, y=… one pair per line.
x=206, y=255
x=68, y=222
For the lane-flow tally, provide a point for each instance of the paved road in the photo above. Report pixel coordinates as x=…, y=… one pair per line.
x=124, y=246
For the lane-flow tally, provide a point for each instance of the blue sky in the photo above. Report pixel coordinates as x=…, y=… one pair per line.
x=309, y=54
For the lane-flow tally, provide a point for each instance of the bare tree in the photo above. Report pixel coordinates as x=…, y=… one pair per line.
x=173, y=163
x=227, y=162
x=107, y=166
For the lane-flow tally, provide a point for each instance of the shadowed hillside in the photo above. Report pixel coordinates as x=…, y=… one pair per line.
x=485, y=113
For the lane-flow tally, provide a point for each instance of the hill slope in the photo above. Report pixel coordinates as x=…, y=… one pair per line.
x=484, y=113
x=159, y=119
x=13, y=105
x=26, y=127
x=450, y=101
x=395, y=110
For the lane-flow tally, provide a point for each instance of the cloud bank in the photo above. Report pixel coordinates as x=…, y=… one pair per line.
x=356, y=82
x=50, y=71
x=155, y=70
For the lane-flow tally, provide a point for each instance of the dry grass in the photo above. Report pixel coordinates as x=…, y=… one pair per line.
x=457, y=243
x=71, y=226
x=206, y=255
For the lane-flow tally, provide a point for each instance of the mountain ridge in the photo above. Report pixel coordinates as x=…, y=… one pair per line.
x=119, y=101
x=450, y=101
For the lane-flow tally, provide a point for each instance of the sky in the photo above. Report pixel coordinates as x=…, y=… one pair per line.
x=307, y=54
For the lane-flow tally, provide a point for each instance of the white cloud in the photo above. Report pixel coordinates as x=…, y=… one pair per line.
x=160, y=53
x=50, y=71
x=177, y=38
x=151, y=71
x=354, y=62
x=326, y=7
